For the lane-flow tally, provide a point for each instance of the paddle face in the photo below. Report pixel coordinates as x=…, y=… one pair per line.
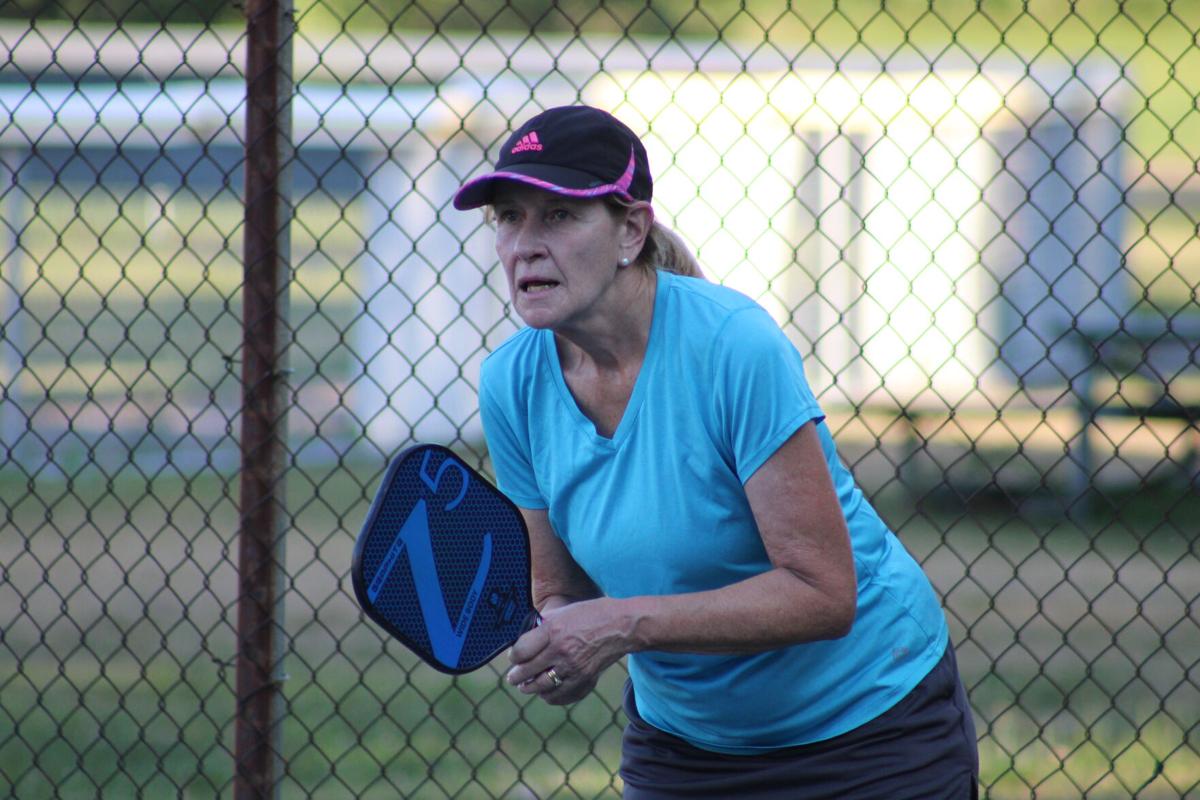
x=442, y=561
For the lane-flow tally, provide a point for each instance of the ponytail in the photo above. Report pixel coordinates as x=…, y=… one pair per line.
x=664, y=248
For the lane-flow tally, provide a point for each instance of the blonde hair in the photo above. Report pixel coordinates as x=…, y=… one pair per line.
x=664, y=248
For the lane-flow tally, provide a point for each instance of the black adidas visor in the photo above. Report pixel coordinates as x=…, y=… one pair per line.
x=577, y=151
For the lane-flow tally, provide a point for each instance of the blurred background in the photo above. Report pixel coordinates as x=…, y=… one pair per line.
x=977, y=222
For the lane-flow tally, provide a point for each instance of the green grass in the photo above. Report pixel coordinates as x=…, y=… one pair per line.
x=1074, y=639
x=399, y=731
x=116, y=671
x=83, y=730
x=395, y=730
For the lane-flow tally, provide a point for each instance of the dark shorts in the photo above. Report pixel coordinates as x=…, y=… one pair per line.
x=923, y=748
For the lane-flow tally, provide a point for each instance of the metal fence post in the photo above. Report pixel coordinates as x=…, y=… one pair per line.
x=263, y=516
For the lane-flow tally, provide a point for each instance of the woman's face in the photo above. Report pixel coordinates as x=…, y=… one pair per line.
x=559, y=253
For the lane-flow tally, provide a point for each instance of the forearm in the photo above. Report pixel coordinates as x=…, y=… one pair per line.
x=551, y=592
x=774, y=609
x=556, y=579
x=580, y=637
x=545, y=602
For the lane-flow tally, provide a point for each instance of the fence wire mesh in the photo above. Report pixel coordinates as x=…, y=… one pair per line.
x=978, y=222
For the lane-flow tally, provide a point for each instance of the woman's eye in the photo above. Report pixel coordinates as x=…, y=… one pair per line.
x=559, y=214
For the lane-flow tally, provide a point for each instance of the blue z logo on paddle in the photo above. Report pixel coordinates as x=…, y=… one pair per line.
x=446, y=640
x=442, y=561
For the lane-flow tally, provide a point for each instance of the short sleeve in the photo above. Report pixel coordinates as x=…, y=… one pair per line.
x=510, y=452
x=761, y=396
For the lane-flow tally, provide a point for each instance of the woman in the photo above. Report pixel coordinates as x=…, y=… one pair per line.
x=686, y=507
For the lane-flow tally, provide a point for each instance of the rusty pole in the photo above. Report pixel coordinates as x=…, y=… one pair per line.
x=263, y=516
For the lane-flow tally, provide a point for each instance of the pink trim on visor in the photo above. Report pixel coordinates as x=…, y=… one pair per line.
x=621, y=187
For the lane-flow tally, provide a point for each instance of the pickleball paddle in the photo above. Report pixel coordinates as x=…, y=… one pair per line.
x=442, y=561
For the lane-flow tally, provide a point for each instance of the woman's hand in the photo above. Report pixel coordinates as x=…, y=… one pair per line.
x=561, y=659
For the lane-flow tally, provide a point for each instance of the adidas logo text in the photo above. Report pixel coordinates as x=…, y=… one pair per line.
x=527, y=142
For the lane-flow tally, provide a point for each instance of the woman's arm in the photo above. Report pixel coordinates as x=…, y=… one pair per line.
x=558, y=582
x=810, y=594
x=557, y=579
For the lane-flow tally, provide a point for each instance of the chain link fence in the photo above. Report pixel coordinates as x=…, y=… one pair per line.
x=977, y=222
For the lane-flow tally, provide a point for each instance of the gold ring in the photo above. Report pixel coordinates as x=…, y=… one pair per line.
x=557, y=681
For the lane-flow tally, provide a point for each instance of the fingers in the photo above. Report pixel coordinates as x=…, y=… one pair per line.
x=561, y=660
x=536, y=674
x=545, y=682
x=527, y=648
x=568, y=689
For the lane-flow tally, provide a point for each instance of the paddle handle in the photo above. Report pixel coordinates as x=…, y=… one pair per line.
x=532, y=620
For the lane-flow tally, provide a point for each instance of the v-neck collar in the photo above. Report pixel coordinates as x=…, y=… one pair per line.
x=629, y=417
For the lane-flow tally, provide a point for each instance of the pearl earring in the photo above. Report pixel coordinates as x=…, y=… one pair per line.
x=625, y=262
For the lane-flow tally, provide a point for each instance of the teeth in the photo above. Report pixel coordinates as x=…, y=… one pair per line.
x=538, y=286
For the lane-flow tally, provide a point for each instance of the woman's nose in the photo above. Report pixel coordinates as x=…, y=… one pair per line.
x=529, y=241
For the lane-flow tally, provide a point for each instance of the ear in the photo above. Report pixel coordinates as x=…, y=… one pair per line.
x=639, y=217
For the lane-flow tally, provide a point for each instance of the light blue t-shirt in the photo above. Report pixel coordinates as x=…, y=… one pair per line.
x=660, y=509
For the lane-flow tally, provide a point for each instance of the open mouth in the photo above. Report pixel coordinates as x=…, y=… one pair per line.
x=536, y=285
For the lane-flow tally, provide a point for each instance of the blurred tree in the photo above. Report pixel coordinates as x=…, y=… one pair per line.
x=835, y=27
x=123, y=11
x=661, y=17
x=652, y=17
